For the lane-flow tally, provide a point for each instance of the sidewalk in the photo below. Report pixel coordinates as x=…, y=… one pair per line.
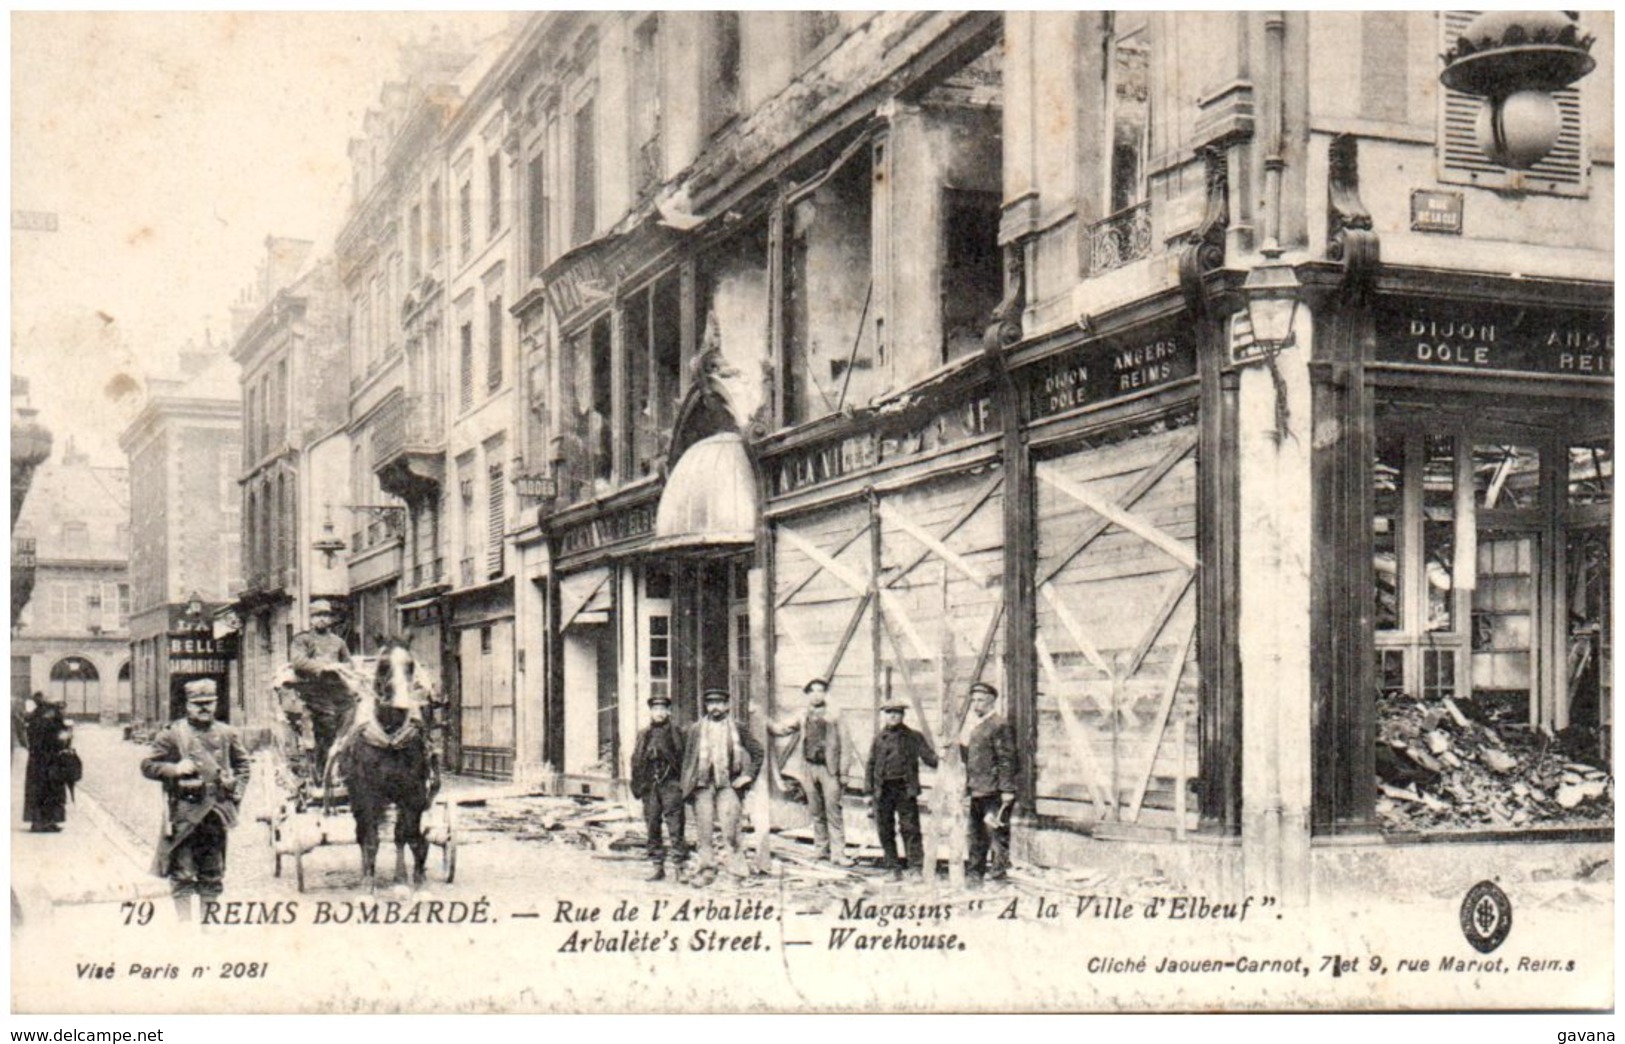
x=95, y=859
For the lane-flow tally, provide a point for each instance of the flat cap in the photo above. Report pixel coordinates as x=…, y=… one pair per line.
x=659, y=700
x=895, y=705
x=718, y=696
x=980, y=686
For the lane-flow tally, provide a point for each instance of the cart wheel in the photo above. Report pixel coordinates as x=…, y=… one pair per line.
x=449, y=860
x=299, y=870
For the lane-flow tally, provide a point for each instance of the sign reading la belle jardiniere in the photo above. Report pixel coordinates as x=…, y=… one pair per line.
x=1472, y=337
x=1109, y=370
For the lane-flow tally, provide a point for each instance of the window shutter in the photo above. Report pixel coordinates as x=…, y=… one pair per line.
x=1461, y=162
x=497, y=522
x=493, y=361
x=466, y=393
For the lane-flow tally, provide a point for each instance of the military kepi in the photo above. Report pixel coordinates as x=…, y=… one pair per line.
x=321, y=606
x=717, y=696
x=203, y=690
x=659, y=700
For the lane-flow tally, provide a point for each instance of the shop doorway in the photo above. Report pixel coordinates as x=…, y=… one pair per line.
x=711, y=602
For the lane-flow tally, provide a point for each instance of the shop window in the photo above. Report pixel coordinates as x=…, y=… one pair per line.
x=834, y=350
x=1462, y=161
x=1505, y=477
x=1439, y=530
x=1438, y=674
x=659, y=655
x=1591, y=475
x=1388, y=477
x=1503, y=618
x=1391, y=671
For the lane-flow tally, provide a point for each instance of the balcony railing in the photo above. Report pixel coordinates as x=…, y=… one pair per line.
x=1120, y=239
x=407, y=423
x=24, y=553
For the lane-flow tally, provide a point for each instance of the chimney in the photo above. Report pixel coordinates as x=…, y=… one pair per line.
x=284, y=257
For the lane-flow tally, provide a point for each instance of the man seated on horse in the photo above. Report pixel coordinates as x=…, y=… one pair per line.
x=318, y=658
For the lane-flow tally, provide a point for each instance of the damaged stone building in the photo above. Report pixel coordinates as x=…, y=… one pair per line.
x=1198, y=379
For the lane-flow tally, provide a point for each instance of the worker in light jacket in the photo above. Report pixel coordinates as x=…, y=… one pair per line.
x=720, y=761
x=820, y=741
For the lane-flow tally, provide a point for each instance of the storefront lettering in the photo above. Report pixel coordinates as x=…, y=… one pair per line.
x=197, y=667
x=608, y=529
x=1098, y=373
x=193, y=646
x=821, y=463
x=1505, y=339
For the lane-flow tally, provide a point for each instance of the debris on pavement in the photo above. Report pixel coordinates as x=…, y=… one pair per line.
x=1448, y=765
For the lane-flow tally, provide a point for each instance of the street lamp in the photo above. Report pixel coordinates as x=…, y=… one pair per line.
x=1514, y=60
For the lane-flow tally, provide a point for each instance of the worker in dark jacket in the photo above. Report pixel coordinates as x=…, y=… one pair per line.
x=892, y=782
x=204, y=767
x=990, y=783
x=45, y=795
x=657, y=770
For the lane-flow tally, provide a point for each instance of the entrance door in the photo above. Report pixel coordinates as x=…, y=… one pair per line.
x=713, y=632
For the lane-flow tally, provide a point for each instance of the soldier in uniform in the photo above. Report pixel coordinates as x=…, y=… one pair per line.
x=893, y=785
x=316, y=656
x=820, y=741
x=990, y=782
x=204, y=767
x=657, y=768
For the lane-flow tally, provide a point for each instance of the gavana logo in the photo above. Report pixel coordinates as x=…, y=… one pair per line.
x=1486, y=916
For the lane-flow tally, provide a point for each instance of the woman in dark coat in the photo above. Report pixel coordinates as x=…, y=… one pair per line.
x=45, y=801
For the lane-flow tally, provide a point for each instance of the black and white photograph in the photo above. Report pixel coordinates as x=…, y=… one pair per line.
x=799, y=512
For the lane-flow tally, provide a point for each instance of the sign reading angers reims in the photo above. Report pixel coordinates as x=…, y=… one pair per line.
x=1110, y=369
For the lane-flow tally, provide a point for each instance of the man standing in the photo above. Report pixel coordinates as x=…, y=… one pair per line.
x=316, y=656
x=657, y=766
x=204, y=769
x=720, y=760
x=821, y=749
x=893, y=785
x=990, y=783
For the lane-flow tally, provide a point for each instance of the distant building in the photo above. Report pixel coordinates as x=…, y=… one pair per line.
x=30, y=445
x=71, y=641
x=183, y=513
x=290, y=346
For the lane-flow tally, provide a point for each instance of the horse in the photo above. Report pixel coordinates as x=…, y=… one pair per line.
x=386, y=759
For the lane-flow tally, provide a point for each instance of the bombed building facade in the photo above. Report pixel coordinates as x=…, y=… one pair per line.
x=1198, y=380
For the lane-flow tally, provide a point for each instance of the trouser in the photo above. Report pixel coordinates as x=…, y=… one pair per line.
x=327, y=717
x=983, y=837
x=197, y=866
x=715, y=806
x=896, y=807
x=824, y=804
x=663, y=820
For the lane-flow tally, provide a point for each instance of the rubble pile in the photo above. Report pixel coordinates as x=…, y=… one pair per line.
x=1445, y=765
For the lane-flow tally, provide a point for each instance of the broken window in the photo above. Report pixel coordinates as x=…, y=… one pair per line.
x=1128, y=107
x=972, y=270
x=722, y=71
x=646, y=160
x=833, y=349
x=586, y=413
x=584, y=214
x=652, y=336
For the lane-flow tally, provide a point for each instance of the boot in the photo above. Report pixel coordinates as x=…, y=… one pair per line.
x=183, y=908
x=659, y=873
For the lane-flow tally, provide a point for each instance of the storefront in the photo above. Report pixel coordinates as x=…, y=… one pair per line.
x=1489, y=499
x=196, y=654
x=480, y=660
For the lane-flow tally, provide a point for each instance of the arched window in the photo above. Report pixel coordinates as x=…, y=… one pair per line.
x=76, y=684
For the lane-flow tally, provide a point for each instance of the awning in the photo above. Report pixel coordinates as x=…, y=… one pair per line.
x=710, y=498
